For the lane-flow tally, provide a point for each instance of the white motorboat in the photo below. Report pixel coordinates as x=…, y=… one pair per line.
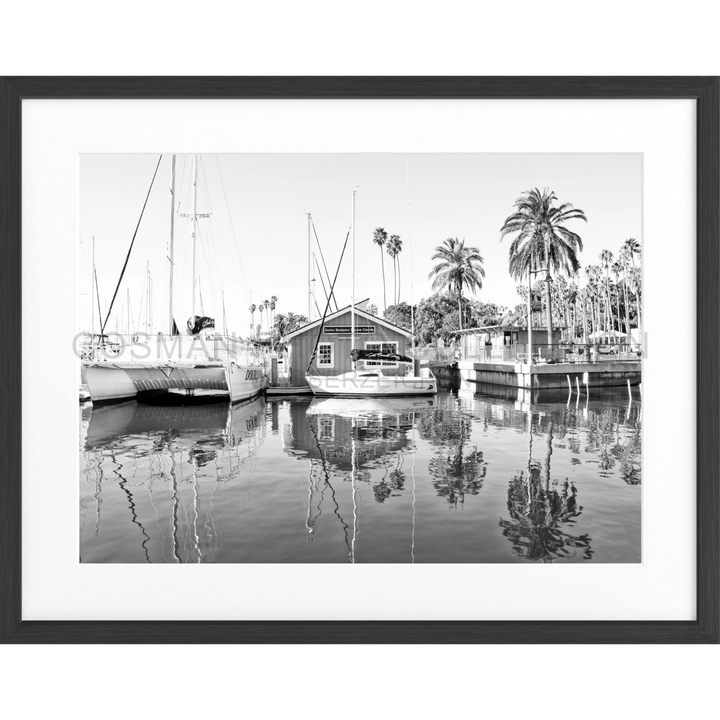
x=371, y=383
x=359, y=407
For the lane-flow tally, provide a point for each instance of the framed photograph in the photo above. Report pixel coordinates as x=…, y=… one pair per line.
x=360, y=360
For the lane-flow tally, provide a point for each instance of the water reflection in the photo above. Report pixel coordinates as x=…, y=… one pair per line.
x=497, y=476
x=170, y=464
x=455, y=471
x=542, y=509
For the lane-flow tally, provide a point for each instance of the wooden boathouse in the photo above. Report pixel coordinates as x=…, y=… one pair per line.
x=334, y=345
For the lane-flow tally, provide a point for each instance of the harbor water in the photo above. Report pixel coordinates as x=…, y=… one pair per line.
x=491, y=477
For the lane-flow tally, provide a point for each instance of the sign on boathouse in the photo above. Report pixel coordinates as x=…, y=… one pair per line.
x=347, y=329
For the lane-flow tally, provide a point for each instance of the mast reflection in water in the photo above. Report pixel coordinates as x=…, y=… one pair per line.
x=486, y=478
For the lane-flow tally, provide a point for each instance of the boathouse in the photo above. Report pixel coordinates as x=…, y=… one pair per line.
x=334, y=344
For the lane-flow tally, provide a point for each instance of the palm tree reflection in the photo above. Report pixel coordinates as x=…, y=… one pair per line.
x=455, y=471
x=458, y=474
x=541, y=513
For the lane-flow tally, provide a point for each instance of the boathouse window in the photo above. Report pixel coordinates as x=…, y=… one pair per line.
x=325, y=355
x=384, y=347
x=326, y=428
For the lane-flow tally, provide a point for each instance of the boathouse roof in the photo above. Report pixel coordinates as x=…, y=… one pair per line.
x=358, y=311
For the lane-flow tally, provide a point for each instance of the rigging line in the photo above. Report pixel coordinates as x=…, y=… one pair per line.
x=322, y=257
x=211, y=239
x=181, y=193
x=132, y=242
x=327, y=306
x=322, y=281
x=203, y=243
x=326, y=478
x=142, y=298
x=122, y=484
x=213, y=219
x=412, y=291
x=97, y=292
x=354, y=492
x=412, y=540
x=232, y=226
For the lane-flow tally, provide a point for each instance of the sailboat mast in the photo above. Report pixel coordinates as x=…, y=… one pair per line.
x=352, y=302
x=147, y=298
x=172, y=240
x=223, y=304
x=92, y=290
x=308, y=272
x=194, y=232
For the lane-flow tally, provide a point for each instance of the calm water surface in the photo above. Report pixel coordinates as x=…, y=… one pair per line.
x=474, y=479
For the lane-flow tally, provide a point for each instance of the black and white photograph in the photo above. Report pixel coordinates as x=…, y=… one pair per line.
x=360, y=358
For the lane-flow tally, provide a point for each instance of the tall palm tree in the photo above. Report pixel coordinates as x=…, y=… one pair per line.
x=273, y=305
x=635, y=288
x=542, y=240
x=380, y=238
x=572, y=296
x=617, y=269
x=458, y=267
x=584, y=299
x=394, y=246
x=252, y=308
x=606, y=259
x=632, y=246
x=624, y=260
x=593, y=280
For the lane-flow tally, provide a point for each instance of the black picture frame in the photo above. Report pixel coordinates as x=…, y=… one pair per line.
x=705, y=91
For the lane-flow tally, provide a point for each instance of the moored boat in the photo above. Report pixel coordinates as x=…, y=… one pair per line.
x=200, y=363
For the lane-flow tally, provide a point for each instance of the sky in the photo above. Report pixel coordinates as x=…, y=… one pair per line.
x=255, y=243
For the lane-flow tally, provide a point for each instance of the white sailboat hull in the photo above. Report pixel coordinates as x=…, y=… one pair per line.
x=355, y=384
x=367, y=406
x=109, y=382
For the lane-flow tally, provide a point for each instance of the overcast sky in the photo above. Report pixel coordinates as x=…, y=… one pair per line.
x=254, y=245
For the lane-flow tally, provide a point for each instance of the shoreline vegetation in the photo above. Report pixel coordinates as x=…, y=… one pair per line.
x=582, y=296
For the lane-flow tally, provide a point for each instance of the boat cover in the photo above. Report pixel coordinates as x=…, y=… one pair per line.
x=379, y=356
x=197, y=323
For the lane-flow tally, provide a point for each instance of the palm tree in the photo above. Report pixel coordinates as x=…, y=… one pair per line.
x=273, y=304
x=394, y=247
x=572, y=296
x=632, y=246
x=266, y=306
x=606, y=258
x=617, y=269
x=380, y=238
x=593, y=279
x=459, y=267
x=635, y=286
x=541, y=238
x=289, y=322
x=584, y=299
x=252, y=308
x=624, y=258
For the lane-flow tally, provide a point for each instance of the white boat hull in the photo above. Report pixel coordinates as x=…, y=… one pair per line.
x=110, y=382
x=370, y=385
x=364, y=407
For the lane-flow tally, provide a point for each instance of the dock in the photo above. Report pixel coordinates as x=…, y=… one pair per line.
x=550, y=376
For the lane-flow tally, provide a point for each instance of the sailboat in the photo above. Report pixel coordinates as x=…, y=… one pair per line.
x=370, y=381
x=200, y=363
